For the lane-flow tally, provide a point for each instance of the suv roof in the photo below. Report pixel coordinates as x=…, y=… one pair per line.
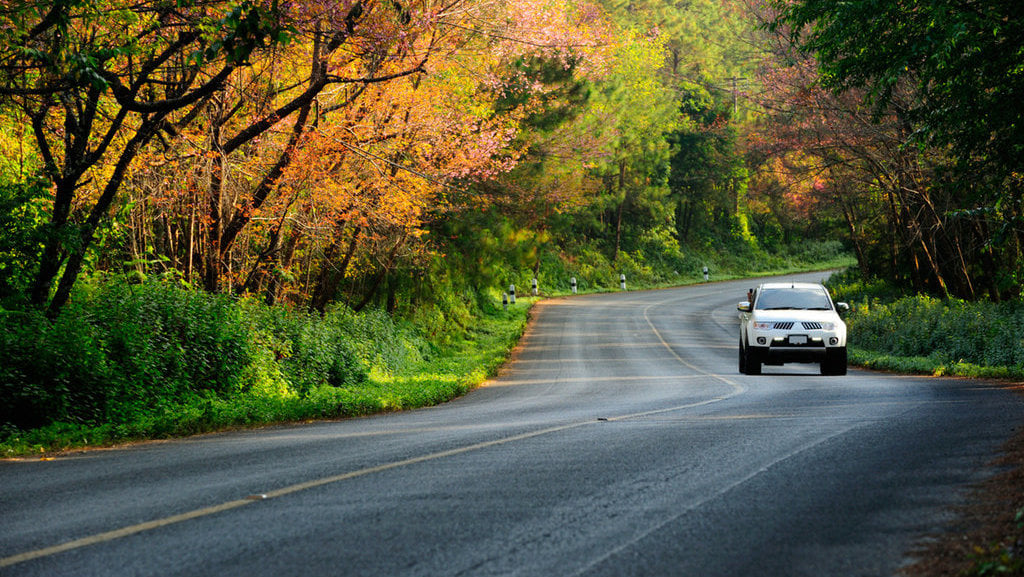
x=785, y=285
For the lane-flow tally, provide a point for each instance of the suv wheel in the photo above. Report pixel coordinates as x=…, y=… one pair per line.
x=835, y=362
x=752, y=361
x=743, y=357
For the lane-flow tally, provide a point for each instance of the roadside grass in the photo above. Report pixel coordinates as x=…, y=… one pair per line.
x=934, y=365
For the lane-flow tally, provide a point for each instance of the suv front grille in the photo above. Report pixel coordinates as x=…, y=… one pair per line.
x=783, y=326
x=812, y=326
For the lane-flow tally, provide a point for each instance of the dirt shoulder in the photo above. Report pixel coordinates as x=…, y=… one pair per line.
x=987, y=535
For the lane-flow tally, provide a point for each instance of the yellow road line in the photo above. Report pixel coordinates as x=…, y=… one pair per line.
x=119, y=533
x=206, y=511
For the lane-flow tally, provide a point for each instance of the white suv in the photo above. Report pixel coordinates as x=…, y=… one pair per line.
x=792, y=323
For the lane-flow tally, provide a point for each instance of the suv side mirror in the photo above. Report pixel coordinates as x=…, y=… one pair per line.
x=743, y=307
x=842, y=307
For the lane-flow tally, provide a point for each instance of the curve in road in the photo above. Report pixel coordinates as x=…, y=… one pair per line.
x=620, y=440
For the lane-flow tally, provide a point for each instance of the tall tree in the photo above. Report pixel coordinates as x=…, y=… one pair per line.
x=98, y=81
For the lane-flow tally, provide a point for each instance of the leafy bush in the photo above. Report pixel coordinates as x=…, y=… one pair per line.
x=50, y=371
x=117, y=364
x=310, y=350
x=24, y=210
x=930, y=334
x=816, y=251
x=119, y=353
x=981, y=333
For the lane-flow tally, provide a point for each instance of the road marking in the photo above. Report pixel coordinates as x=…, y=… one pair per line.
x=657, y=526
x=737, y=387
x=119, y=533
x=207, y=511
x=260, y=497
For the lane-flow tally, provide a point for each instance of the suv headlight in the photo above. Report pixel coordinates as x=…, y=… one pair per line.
x=828, y=326
x=763, y=326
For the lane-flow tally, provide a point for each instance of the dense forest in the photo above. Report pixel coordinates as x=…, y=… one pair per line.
x=377, y=153
x=364, y=152
x=417, y=157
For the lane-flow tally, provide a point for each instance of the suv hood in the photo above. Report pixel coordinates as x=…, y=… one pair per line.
x=796, y=315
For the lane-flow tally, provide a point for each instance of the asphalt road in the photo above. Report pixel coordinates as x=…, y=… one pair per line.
x=621, y=440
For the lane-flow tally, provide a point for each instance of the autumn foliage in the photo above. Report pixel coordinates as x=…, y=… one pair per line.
x=275, y=147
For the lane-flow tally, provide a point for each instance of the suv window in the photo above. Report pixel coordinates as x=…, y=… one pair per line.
x=793, y=298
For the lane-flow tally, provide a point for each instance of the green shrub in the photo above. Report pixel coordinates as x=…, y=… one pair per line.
x=944, y=336
x=310, y=350
x=51, y=372
x=24, y=211
x=121, y=353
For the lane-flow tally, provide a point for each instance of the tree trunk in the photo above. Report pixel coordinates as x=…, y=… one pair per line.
x=99, y=212
x=618, y=214
x=375, y=284
x=215, y=201
x=330, y=280
x=50, y=263
x=862, y=261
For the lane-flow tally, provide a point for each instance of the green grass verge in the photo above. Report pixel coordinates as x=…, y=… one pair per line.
x=933, y=365
x=448, y=373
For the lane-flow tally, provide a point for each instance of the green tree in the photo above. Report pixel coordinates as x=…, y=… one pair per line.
x=949, y=73
x=631, y=112
x=964, y=59
x=709, y=174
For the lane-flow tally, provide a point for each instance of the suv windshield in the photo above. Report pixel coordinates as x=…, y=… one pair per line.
x=793, y=298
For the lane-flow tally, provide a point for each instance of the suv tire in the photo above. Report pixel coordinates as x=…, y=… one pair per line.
x=752, y=361
x=834, y=363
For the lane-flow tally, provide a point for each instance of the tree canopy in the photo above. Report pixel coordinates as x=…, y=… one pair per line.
x=924, y=106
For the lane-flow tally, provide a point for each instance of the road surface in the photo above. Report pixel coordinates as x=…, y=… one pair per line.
x=621, y=440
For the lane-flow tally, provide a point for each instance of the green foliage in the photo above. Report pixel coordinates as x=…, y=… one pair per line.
x=310, y=350
x=122, y=352
x=564, y=98
x=947, y=76
x=119, y=350
x=708, y=176
x=156, y=359
x=924, y=334
x=1002, y=557
x=965, y=61
x=997, y=559
x=50, y=371
x=24, y=211
x=983, y=333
